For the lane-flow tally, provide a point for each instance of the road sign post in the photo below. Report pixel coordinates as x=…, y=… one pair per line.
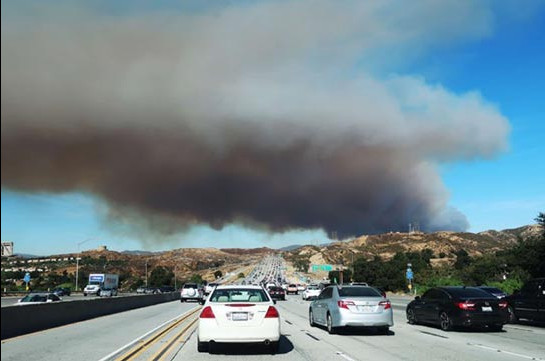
x=27, y=280
x=409, y=275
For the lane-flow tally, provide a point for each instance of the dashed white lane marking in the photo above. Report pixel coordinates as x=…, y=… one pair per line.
x=345, y=356
x=506, y=352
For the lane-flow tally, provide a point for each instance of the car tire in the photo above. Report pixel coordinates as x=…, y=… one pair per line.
x=512, y=317
x=273, y=347
x=85, y=295
x=411, y=317
x=202, y=346
x=445, y=321
x=182, y=300
x=311, y=319
x=329, y=324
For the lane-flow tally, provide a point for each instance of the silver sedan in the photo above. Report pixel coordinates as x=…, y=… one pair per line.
x=360, y=306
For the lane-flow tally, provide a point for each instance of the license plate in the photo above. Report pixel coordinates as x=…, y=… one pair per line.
x=487, y=309
x=365, y=308
x=239, y=316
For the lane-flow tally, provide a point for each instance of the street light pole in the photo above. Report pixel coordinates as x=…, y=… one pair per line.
x=77, y=261
x=146, y=274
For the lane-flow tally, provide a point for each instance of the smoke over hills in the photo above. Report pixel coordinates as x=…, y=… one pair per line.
x=224, y=116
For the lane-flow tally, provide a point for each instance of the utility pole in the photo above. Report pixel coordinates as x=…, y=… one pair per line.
x=146, y=274
x=77, y=260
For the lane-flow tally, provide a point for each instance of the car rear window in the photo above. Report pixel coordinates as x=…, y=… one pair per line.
x=239, y=295
x=492, y=289
x=292, y=286
x=276, y=288
x=468, y=293
x=189, y=285
x=358, y=292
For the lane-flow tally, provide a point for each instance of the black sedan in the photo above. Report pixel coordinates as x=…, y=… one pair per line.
x=61, y=291
x=277, y=293
x=449, y=307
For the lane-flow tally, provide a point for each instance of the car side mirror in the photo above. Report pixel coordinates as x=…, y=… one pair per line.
x=417, y=298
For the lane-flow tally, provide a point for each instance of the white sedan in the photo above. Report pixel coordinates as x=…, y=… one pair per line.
x=311, y=292
x=38, y=298
x=239, y=314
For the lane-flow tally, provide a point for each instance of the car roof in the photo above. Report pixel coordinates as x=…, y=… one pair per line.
x=243, y=287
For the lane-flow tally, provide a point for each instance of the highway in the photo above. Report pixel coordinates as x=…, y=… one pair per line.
x=105, y=336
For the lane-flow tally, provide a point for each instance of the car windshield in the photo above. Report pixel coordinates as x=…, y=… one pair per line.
x=358, y=292
x=239, y=295
x=34, y=298
x=190, y=285
x=468, y=292
x=313, y=287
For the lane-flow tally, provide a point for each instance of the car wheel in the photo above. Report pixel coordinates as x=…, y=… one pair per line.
x=85, y=295
x=182, y=300
x=512, y=317
x=202, y=346
x=445, y=321
x=411, y=317
x=273, y=347
x=311, y=319
x=330, y=329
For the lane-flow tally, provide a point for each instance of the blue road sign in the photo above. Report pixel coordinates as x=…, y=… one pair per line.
x=27, y=277
x=409, y=274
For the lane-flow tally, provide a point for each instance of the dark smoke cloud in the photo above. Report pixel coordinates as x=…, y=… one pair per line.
x=228, y=118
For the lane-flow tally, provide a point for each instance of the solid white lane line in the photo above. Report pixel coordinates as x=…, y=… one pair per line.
x=506, y=352
x=345, y=356
x=107, y=357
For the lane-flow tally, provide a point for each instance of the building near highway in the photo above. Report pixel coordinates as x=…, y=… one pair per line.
x=7, y=249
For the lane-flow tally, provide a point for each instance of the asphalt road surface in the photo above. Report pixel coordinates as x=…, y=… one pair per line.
x=106, y=336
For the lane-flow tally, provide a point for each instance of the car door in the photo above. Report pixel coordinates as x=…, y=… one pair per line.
x=526, y=303
x=419, y=305
x=321, y=304
x=433, y=306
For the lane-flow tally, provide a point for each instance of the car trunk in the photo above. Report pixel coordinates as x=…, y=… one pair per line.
x=239, y=314
x=364, y=305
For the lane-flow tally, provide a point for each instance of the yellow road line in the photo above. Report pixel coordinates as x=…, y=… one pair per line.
x=166, y=349
x=139, y=349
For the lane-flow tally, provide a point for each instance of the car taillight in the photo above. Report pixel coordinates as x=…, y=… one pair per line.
x=345, y=304
x=503, y=304
x=466, y=306
x=272, y=313
x=207, y=313
x=386, y=304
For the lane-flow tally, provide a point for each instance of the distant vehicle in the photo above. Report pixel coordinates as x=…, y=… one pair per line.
x=496, y=292
x=191, y=291
x=61, y=291
x=238, y=314
x=529, y=302
x=107, y=292
x=151, y=290
x=277, y=293
x=292, y=288
x=210, y=287
x=270, y=284
x=359, y=284
x=166, y=289
x=141, y=290
x=311, y=292
x=301, y=287
x=38, y=298
x=449, y=307
x=358, y=306
x=100, y=281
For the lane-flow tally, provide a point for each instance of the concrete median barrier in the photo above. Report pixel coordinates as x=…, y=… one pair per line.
x=20, y=320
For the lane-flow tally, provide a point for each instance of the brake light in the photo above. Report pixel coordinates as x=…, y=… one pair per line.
x=503, y=304
x=466, y=306
x=240, y=305
x=386, y=304
x=345, y=304
x=272, y=313
x=207, y=313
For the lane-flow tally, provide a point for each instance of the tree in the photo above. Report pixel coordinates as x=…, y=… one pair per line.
x=462, y=259
x=335, y=277
x=196, y=278
x=540, y=219
x=161, y=276
x=218, y=274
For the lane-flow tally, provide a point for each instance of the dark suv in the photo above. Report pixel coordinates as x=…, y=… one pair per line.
x=529, y=302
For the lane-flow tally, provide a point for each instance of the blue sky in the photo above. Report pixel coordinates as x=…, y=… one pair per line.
x=504, y=191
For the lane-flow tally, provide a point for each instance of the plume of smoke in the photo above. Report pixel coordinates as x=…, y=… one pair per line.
x=228, y=117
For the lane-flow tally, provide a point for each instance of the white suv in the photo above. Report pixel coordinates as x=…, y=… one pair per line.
x=191, y=291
